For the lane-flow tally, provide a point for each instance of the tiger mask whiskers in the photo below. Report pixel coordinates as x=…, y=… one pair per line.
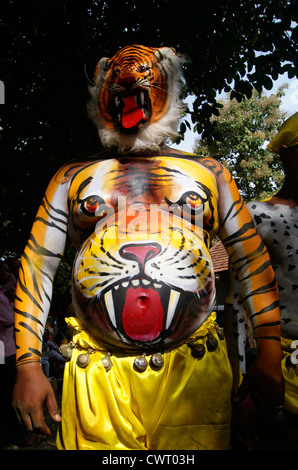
x=150, y=76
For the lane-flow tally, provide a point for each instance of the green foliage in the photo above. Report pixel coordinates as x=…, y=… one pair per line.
x=241, y=133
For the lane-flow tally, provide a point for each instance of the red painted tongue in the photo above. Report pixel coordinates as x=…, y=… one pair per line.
x=132, y=113
x=142, y=315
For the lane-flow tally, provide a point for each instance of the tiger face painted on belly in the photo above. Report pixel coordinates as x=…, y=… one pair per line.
x=144, y=275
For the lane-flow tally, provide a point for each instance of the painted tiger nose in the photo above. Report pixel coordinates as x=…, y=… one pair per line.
x=140, y=252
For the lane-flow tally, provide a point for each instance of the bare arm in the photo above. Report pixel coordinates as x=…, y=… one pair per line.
x=251, y=263
x=39, y=264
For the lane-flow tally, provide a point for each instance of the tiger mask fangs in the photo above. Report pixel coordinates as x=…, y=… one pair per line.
x=135, y=101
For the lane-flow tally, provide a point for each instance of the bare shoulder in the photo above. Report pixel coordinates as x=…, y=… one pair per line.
x=210, y=163
x=69, y=170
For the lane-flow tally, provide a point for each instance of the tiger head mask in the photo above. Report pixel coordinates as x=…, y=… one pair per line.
x=135, y=100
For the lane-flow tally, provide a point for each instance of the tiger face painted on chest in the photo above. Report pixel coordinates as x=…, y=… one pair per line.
x=135, y=103
x=143, y=276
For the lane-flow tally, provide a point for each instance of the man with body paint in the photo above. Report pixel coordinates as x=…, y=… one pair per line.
x=148, y=366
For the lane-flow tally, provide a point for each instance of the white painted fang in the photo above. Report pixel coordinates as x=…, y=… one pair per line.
x=110, y=307
x=174, y=297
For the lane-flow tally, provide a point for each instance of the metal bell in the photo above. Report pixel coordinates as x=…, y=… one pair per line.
x=106, y=362
x=141, y=363
x=83, y=360
x=212, y=342
x=220, y=333
x=157, y=361
x=198, y=350
x=66, y=351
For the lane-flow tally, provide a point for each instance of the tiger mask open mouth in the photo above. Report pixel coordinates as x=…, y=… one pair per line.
x=130, y=109
x=136, y=98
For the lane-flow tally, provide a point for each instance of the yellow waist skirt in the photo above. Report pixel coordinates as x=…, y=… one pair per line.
x=185, y=405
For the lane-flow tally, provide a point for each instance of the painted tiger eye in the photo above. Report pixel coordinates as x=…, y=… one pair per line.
x=91, y=205
x=192, y=200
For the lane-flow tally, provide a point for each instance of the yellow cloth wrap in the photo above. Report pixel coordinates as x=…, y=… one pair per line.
x=185, y=405
x=290, y=373
x=287, y=135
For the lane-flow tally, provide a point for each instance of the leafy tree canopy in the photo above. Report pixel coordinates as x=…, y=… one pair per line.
x=49, y=49
x=241, y=133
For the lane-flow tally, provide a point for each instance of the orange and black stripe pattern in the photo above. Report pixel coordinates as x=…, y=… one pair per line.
x=133, y=67
x=228, y=216
x=39, y=262
x=250, y=263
